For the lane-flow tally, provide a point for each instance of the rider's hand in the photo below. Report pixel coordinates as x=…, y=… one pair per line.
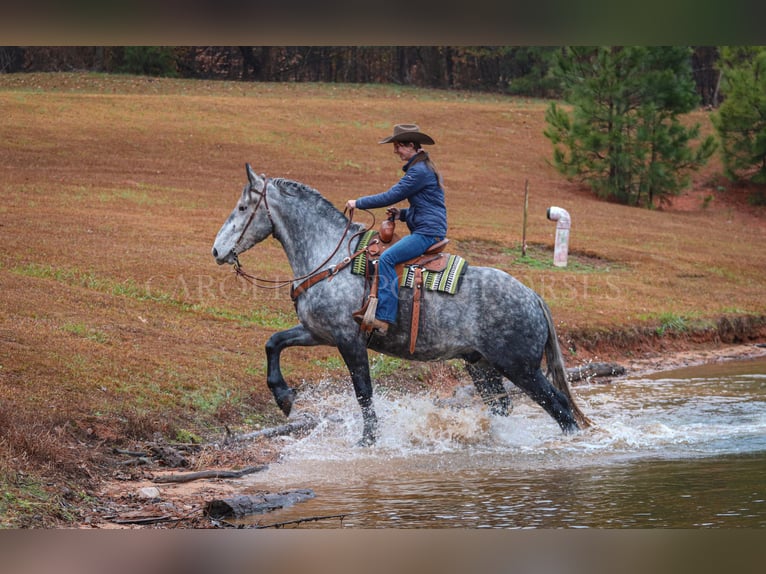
x=351, y=204
x=393, y=212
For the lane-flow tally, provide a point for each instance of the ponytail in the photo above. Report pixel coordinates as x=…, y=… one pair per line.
x=423, y=156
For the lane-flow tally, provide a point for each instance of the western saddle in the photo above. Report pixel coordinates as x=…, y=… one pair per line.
x=433, y=259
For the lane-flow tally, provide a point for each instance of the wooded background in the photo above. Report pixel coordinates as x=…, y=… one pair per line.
x=520, y=70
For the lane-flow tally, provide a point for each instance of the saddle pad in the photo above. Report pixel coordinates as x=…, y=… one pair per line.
x=446, y=281
x=360, y=261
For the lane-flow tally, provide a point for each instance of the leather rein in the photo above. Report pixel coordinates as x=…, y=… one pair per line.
x=310, y=278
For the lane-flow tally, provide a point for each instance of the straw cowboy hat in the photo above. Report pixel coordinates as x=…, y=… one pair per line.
x=408, y=133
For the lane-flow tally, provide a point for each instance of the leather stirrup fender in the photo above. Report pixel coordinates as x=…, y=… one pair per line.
x=417, y=299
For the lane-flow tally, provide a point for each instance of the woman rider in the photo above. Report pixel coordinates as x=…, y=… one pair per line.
x=426, y=216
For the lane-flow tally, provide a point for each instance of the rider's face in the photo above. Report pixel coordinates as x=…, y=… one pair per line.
x=405, y=151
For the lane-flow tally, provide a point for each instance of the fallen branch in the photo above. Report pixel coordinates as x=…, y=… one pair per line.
x=138, y=454
x=189, y=476
x=255, y=504
x=595, y=370
x=140, y=518
x=288, y=428
x=137, y=461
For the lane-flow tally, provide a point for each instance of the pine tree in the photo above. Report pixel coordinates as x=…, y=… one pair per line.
x=741, y=120
x=624, y=137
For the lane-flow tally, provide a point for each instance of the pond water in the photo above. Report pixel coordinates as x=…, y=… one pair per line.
x=678, y=449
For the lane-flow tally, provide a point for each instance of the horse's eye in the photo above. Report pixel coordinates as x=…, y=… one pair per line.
x=243, y=208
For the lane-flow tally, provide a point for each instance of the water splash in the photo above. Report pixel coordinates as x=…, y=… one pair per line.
x=669, y=452
x=637, y=417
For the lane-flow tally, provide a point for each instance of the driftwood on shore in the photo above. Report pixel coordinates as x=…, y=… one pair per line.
x=141, y=518
x=305, y=423
x=595, y=370
x=190, y=476
x=244, y=505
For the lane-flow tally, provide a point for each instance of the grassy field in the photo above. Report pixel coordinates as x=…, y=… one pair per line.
x=116, y=323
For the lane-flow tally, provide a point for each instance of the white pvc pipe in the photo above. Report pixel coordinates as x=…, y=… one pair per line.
x=561, y=246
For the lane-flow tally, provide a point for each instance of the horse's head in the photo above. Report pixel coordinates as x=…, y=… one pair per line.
x=249, y=222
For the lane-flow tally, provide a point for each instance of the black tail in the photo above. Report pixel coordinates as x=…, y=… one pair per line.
x=556, y=371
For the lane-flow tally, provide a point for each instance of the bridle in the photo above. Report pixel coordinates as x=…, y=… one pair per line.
x=261, y=199
x=309, y=278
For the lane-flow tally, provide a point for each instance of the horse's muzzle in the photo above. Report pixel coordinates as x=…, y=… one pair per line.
x=229, y=258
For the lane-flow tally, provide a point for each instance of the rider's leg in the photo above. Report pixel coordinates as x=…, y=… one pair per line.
x=406, y=248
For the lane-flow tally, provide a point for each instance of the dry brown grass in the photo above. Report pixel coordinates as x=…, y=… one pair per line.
x=115, y=322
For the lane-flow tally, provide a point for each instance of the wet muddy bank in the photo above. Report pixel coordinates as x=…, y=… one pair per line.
x=670, y=337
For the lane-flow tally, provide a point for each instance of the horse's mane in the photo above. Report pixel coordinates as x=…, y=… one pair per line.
x=319, y=205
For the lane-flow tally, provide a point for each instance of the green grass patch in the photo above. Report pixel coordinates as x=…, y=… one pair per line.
x=670, y=322
x=330, y=363
x=383, y=365
x=187, y=437
x=209, y=401
x=261, y=317
x=25, y=503
x=540, y=258
x=84, y=331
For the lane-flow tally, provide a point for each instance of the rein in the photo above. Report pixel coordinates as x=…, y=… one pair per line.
x=309, y=278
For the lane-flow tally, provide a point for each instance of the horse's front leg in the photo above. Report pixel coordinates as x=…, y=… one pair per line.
x=297, y=336
x=354, y=354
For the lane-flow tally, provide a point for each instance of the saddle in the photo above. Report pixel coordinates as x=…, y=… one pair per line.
x=434, y=259
x=364, y=262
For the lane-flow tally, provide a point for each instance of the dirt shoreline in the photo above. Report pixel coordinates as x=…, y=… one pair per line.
x=125, y=502
x=652, y=363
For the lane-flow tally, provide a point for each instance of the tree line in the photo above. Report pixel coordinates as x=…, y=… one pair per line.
x=515, y=70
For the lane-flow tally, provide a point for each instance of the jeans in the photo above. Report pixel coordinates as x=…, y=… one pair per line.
x=406, y=248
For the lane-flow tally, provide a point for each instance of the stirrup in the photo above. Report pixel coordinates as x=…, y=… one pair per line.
x=376, y=326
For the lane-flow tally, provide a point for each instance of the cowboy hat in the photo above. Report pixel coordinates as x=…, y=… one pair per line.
x=408, y=133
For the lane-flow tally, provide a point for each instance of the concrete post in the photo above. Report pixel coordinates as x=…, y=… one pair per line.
x=561, y=247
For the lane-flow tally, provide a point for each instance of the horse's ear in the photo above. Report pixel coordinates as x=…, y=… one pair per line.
x=254, y=180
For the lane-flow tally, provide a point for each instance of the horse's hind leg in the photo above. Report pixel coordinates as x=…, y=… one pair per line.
x=536, y=385
x=297, y=336
x=552, y=400
x=489, y=382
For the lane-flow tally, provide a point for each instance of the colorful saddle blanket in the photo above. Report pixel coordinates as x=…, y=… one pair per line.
x=446, y=281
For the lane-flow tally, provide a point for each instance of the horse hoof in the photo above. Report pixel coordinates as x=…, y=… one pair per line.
x=285, y=402
x=500, y=409
x=366, y=441
x=571, y=429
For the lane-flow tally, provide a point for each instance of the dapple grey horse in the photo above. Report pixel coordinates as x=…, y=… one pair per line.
x=500, y=327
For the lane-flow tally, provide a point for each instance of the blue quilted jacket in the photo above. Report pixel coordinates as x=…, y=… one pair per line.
x=427, y=212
